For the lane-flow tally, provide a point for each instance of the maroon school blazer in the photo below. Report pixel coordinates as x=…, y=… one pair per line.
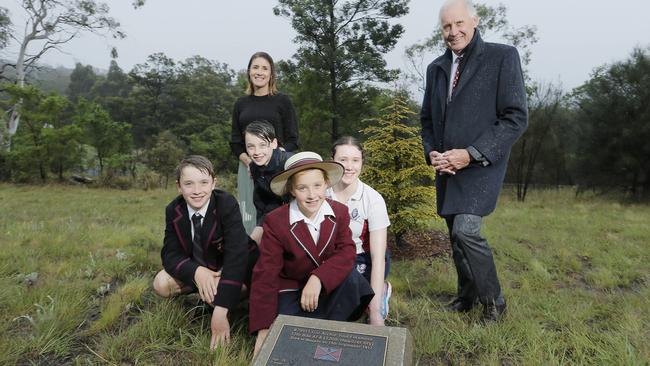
x=289, y=256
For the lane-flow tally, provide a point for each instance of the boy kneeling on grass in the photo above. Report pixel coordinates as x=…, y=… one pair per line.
x=206, y=248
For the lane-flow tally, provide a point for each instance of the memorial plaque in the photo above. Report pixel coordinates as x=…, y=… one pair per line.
x=300, y=341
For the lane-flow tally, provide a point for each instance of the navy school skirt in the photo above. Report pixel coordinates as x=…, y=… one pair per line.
x=346, y=303
x=364, y=265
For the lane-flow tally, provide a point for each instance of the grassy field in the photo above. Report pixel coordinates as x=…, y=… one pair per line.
x=76, y=266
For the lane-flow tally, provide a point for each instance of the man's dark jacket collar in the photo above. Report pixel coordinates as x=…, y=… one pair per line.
x=474, y=46
x=471, y=61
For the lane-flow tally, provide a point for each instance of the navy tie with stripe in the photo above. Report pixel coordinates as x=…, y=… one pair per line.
x=456, y=74
x=197, y=248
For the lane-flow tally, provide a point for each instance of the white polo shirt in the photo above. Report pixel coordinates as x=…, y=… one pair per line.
x=367, y=213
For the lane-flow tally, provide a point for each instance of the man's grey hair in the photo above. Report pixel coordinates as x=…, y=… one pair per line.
x=469, y=5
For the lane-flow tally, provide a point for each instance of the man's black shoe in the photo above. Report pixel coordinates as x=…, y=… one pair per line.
x=493, y=312
x=460, y=305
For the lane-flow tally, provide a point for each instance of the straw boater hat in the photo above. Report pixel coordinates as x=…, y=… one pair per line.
x=302, y=161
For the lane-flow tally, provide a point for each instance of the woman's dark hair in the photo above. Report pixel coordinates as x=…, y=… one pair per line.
x=250, y=89
x=262, y=129
x=347, y=140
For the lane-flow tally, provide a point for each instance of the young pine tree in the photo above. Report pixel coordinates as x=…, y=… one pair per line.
x=395, y=167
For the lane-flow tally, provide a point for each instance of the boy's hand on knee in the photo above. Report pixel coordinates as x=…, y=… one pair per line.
x=220, y=327
x=310, y=294
x=207, y=281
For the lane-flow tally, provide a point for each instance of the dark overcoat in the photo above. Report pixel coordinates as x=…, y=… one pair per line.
x=487, y=111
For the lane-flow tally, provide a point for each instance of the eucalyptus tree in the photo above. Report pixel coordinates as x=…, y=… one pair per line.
x=613, y=116
x=344, y=41
x=49, y=25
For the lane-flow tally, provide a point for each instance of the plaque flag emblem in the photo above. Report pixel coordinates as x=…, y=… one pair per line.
x=328, y=353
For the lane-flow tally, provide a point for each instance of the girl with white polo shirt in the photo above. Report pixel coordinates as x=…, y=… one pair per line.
x=368, y=222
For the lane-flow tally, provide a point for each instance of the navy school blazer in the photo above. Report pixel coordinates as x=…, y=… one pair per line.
x=226, y=245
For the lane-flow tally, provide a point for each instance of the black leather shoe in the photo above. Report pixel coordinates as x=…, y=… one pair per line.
x=493, y=312
x=460, y=305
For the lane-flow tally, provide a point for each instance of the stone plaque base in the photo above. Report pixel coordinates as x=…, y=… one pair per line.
x=298, y=341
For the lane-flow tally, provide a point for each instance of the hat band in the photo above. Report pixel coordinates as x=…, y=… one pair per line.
x=303, y=162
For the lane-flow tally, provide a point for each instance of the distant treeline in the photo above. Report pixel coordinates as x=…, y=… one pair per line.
x=133, y=127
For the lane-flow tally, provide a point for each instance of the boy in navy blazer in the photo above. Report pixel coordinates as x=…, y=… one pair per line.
x=206, y=248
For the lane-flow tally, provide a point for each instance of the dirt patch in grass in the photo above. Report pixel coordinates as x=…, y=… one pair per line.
x=577, y=279
x=424, y=244
x=441, y=358
x=46, y=360
x=585, y=261
x=429, y=360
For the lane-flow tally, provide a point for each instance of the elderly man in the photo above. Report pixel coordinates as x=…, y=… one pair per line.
x=473, y=111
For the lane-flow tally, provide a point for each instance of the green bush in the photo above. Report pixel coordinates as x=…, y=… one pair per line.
x=116, y=181
x=396, y=169
x=149, y=180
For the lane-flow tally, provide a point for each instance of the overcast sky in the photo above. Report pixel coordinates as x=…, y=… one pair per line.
x=574, y=36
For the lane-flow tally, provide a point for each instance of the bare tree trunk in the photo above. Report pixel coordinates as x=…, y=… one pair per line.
x=530, y=168
x=55, y=23
x=519, y=172
x=101, y=164
x=335, y=119
x=14, y=117
x=43, y=173
x=333, y=76
x=133, y=168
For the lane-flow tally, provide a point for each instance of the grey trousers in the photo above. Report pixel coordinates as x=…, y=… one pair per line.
x=477, y=274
